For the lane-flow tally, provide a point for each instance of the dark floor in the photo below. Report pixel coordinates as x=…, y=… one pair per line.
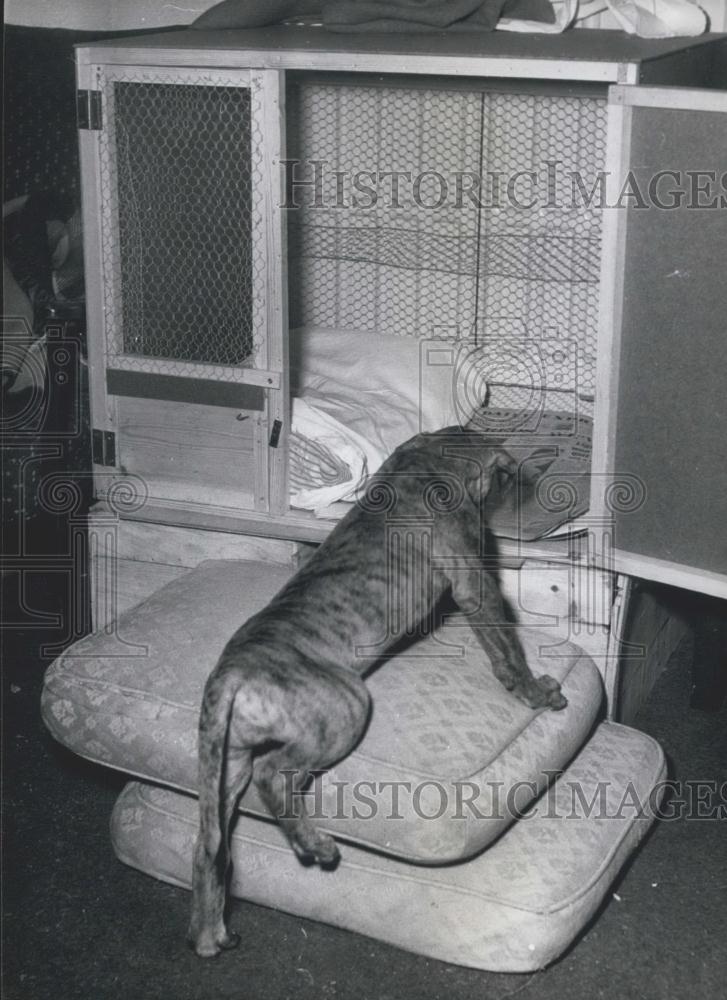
x=79, y=924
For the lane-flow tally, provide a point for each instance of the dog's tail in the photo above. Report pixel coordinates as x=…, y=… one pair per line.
x=207, y=932
x=214, y=725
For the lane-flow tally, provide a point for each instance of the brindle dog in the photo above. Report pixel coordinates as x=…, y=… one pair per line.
x=287, y=690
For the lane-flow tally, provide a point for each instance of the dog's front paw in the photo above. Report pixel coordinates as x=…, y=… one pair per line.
x=554, y=697
x=542, y=692
x=551, y=695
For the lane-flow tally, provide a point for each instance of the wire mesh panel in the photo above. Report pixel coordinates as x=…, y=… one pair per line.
x=541, y=242
x=435, y=210
x=376, y=245
x=183, y=261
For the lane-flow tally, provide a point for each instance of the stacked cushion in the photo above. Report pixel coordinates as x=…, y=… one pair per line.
x=452, y=768
x=463, y=753
x=512, y=908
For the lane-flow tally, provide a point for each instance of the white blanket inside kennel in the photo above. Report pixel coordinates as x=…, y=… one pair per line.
x=357, y=396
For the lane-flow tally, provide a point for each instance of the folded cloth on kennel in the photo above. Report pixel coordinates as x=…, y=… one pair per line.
x=448, y=762
x=649, y=18
x=376, y=15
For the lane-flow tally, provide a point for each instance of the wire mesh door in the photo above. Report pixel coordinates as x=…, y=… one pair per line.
x=184, y=247
x=187, y=307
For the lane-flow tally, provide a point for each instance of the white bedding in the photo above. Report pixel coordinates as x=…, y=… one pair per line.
x=358, y=395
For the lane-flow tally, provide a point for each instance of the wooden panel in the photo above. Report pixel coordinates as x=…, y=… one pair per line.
x=205, y=450
x=563, y=596
x=539, y=594
x=672, y=405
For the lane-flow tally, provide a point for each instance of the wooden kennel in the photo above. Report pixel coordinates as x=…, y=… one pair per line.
x=224, y=205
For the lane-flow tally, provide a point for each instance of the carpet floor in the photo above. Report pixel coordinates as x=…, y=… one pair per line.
x=78, y=924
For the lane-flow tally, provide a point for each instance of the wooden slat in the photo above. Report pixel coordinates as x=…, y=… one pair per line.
x=261, y=480
x=269, y=98
x=144, y=541
x=191, y=370
x=103, y=409
x=671, y=98
x=675, y=574
x=585, y=55
x=610, y=306
x=375, y=62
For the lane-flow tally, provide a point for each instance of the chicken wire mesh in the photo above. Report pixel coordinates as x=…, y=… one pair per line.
x=183, y=287
x=380, y=262
x=425, y=212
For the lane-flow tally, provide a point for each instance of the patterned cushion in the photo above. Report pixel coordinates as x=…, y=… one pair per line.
x=513, y=908
x=448, y=758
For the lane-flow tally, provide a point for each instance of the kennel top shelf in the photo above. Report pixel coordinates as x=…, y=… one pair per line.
x=593, y=55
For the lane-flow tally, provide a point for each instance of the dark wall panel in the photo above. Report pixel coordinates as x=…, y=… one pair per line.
x=672, y=424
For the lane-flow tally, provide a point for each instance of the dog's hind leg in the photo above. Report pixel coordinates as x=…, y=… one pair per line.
x=324, y=736
x=281, y=778
x=224, y=772
x=477, y=593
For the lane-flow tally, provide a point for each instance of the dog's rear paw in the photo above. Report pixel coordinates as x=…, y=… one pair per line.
x=207, y=945
x=319, y=849
x=543, y=692
x=328, y=856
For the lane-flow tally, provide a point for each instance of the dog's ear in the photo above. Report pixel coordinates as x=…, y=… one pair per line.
x=497, y=469
x=503, y=462
x=506, y=470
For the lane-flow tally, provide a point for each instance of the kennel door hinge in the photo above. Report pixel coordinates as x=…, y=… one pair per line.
x=89, y=111
x=103, y=447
